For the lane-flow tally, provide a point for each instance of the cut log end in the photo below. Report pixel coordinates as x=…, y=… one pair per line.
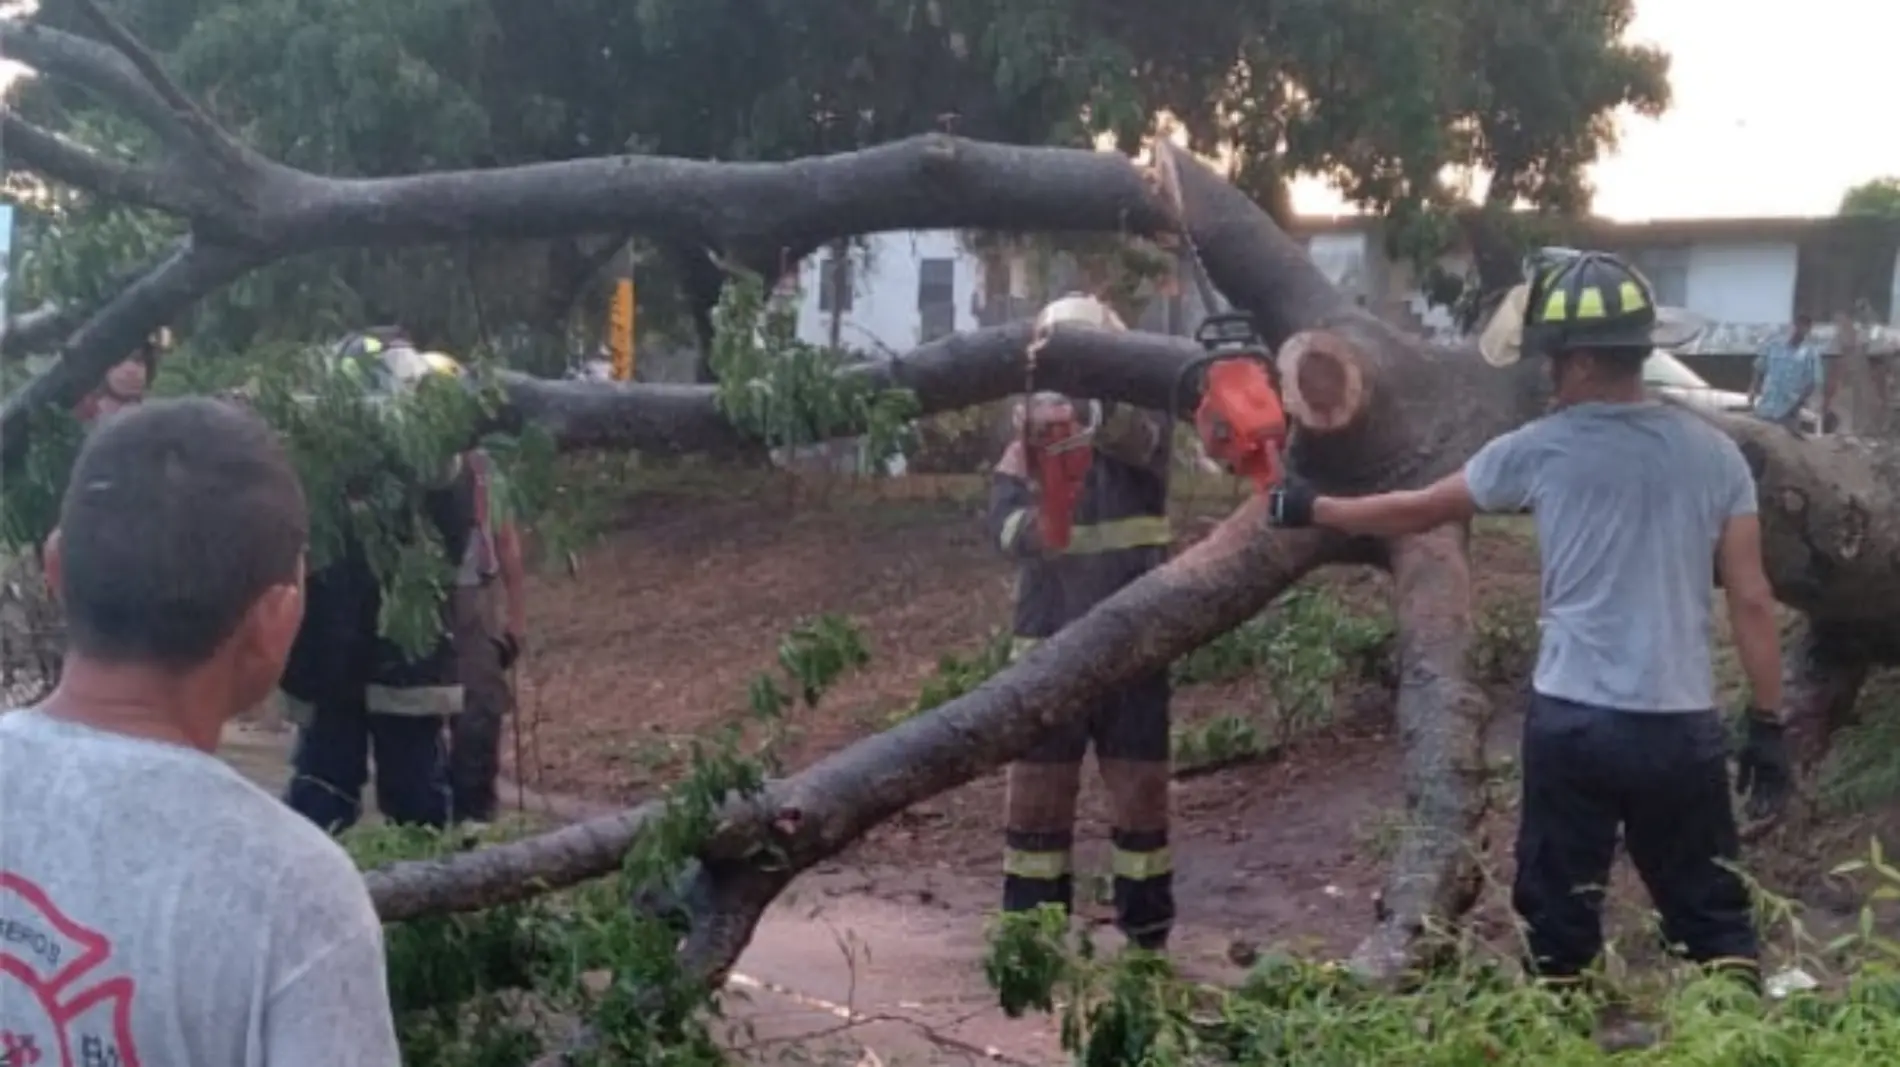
x=1320, y=381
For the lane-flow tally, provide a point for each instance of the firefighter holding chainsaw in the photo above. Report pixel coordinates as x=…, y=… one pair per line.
x=1080, y=499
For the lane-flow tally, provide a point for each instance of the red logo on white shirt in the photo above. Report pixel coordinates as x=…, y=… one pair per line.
x=56, y=1007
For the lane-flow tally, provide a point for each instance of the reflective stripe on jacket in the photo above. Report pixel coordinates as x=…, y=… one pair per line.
x=338, y=659
x=1121, y=526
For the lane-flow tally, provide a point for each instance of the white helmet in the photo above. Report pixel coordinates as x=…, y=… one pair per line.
x=1074, y=309
x=1077, y=309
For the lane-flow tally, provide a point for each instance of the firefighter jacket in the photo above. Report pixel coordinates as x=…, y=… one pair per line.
x=1121, y=524
x=339, y=660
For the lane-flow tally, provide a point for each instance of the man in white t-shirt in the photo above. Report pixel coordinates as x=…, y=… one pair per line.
x=155, y=907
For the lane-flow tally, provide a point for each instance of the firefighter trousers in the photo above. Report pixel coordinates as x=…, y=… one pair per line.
x=1130, y=737
x=475, y=735
x=1663, y=780
x=330, y=765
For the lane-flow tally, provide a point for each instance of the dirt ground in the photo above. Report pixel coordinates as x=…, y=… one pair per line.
x=654, y=636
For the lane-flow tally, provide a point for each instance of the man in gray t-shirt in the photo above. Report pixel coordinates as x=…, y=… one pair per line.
x=155, y=907
x=1637, y=504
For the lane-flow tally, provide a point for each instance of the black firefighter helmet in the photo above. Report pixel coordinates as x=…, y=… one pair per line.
x=1579, y=299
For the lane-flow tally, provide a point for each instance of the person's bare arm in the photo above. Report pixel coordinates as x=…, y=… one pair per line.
x=1407, y=511
x=514, y=577
x=1751, y=609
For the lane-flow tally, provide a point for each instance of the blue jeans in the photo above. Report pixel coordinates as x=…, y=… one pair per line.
x=330, y=766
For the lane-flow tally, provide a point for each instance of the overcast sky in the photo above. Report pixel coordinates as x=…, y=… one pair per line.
x=1779, y=108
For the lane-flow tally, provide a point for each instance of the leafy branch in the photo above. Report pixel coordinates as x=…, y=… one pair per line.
x=367, y=462
x=787, y=393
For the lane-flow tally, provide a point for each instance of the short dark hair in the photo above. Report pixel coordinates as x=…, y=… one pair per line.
x=179, y=515
x=1618, y=361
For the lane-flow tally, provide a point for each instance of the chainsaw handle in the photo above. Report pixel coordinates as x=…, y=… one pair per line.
x=1228, y=329
x=1199, y=364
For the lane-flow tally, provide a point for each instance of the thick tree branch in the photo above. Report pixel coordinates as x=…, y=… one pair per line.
x=1442, y=717
x=45, y=327
x=38, y=329
x=957, y=372
x=747, y=209
x=1250, y=259
x=749, y=212
x=115, y=330
x=1222, y=581
x=71, y=163
x=1822, y=673
x=1829, y=538
x=95, y=67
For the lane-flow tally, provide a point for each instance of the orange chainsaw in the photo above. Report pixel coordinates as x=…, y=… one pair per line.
x=1239, y=415
x=1059, y=455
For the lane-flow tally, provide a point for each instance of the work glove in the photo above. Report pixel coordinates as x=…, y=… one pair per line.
x=1290, y=504
x=1764, y=772
x=507, y=649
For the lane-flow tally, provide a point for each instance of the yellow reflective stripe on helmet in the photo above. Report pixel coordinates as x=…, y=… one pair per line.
x=1020, y=646
x=1631, y=296
x=1013, y=527
x=1138, y=531
x=1590, y=303
x=1047, y=866
x=1557, y=308
x=1140, y=866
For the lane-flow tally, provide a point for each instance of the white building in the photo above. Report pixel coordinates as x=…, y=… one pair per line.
x=1748, y=275
x=901, y=290
x=1736, y=271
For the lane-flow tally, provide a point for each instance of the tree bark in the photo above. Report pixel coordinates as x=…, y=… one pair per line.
x=1822, y=673
x=1442, y=716
x=949, y=374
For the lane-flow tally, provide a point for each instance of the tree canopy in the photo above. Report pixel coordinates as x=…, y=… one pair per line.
x=1878, y=198
x=1377, y=96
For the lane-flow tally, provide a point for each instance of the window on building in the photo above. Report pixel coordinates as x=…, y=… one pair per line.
x=999, y=301
x=834, y=283
x=936, y=298
x=1668, y=272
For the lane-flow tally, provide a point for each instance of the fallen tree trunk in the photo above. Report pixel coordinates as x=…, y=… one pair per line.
x=1219, y=583
x=1374, y=410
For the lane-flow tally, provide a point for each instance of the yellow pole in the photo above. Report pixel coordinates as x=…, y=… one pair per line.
x=620, y=330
